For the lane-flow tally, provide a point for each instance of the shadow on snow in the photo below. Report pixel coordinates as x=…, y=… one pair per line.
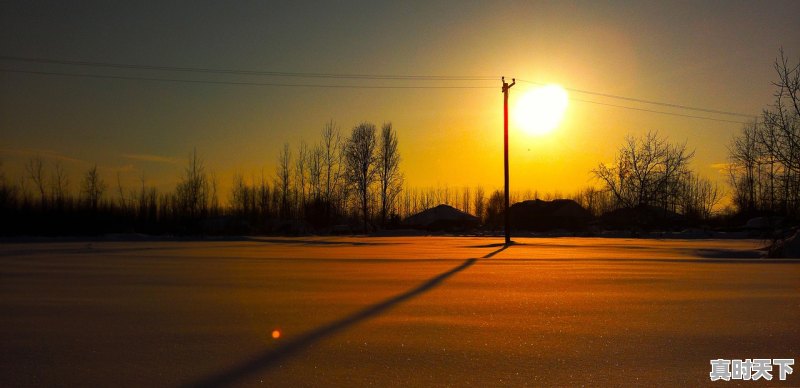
x=271, y=357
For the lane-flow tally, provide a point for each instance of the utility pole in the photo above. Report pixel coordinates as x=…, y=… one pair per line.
x=506, y=86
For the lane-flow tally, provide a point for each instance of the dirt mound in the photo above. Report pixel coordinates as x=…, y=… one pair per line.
x=538, y=215
x=442, y=217
x=643, y=217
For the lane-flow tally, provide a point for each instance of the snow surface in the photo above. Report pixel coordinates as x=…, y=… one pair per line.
x=392, y=311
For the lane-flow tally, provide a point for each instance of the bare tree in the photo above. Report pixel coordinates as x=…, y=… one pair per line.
x=466, y=199
x=495, y=209
x=193, y=189
x=360, y=162
x=213, y=199
x=35, y=169
x=765, y=156
x=315, y=172
x=698, y=197
x=59, y=185
x=332, y=163
x=239, y=192
x=283, y=180
x=263, y=195
x=388, y=169
x=301, y=176
x=595, y=201
x=147, y=209
x=23, y=190
x=8, y=193
x=122, y=203
x=406, y=203
x=744, y=156
x=93, y=188
x=480, y=202
x=645, y=171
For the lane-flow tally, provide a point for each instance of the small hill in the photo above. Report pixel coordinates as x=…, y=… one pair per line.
x=538, y=215
x=442, y=217
x=643, y=216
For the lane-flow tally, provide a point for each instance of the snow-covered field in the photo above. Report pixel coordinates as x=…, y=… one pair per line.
x=392, y=311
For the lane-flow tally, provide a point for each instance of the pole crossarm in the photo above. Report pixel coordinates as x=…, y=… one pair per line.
x=506, y=85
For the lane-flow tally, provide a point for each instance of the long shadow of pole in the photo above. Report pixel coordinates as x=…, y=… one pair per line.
x=271, y=357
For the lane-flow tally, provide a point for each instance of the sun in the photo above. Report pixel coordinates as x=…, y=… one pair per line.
x=540, y=110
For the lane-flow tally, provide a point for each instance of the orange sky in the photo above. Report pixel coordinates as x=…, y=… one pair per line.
x=692, y=54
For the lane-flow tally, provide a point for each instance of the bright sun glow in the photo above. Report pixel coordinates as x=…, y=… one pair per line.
x=540, y=110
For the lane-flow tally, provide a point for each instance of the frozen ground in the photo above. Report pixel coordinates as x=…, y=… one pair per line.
x=393, y=311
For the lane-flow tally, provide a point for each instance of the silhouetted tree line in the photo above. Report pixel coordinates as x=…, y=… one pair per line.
x=764, y=158
x=340, y=184
x=345, y=184
x=43, y=203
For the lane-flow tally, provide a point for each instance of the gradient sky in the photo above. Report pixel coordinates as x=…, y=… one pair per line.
x=716, y=55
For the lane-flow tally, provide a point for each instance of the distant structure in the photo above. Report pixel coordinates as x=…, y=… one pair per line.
x=538, y=215
x=442, y=217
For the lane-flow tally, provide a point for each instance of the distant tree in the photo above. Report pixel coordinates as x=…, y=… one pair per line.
x=35, y=170
x=388, y=170
x=360, y=162
x=239, y=199
x=442, y=195
x=8, y=193
x=782, y=120
x=406, y=203
x=595, y=201
x=698, y=196
x=59, y=184
x=193, y=189
x=332, y=168
x=283, y=180
x=745, y=155
x=147, y=209
x=495, y=209
x=93, y=188
x=122, y=202
x=263, y=200
x=213, y=198
x=466, y=199
x=315, y=172
x=301, y=176
x=25, y=195
x=646, y=171
x=480, y=203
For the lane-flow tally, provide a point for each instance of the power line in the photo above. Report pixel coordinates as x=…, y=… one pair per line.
x=667, y=104
x=657, y=111
x=337, y=86
x=248, y=72
x=277, y=84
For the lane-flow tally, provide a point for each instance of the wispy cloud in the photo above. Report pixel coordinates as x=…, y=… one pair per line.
x=44, y=153
x=126, y=168
x=152, y=158
x=721, y=166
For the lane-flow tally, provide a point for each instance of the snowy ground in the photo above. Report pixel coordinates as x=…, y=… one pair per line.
x=392, y=311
